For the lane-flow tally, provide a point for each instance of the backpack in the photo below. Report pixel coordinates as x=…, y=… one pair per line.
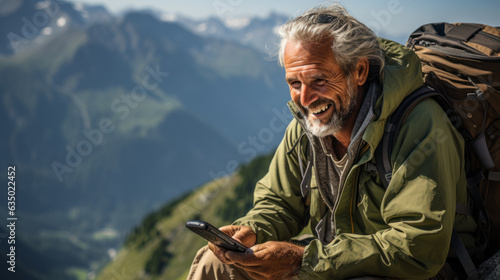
x=461, y=67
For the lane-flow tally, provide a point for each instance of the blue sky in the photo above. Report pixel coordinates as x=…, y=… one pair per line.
x=391, y=18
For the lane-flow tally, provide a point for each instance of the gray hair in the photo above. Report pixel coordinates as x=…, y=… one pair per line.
x=352, y=39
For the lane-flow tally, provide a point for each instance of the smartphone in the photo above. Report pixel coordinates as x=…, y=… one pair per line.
x=215, y=236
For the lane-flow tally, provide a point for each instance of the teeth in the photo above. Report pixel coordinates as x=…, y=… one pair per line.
x=320, y=109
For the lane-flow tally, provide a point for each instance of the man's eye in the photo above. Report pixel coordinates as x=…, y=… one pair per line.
x=295, y=85
x=320, y=82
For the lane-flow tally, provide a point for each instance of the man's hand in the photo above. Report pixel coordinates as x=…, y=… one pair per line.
x=245, y=235
x=271, y=260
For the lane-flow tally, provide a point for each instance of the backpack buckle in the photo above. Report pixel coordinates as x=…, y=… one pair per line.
x=388, y=177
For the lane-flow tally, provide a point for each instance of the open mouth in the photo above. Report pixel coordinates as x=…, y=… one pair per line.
x=320, y=110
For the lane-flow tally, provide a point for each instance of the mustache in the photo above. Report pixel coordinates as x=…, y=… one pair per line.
x=315, y=104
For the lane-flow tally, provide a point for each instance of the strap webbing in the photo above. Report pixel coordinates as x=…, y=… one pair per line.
x=481, y=151
x=464, y=32
x=475, y=179
x=463, y=255
x=482, y=39
x=494, y=176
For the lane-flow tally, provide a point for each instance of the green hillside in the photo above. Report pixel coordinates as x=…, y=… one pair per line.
x=162, y=248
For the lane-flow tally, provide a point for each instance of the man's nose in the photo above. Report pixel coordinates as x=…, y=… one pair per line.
x=307, y=95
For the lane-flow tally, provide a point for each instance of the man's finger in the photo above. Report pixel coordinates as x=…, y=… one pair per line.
x=219, y=252
x=244, y=259
x=257, y=269
x=256, y=275
x=227, y=230
x=241, y=235
x=259, y=251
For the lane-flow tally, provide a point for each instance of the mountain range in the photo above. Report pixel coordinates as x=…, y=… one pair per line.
x=106, y=118
x=258, y=33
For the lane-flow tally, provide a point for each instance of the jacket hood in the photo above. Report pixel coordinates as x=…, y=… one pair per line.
x=402, y=75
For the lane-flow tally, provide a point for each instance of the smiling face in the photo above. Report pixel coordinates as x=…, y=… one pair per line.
x=318, y=86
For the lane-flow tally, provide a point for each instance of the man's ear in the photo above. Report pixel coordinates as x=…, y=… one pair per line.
x=362, y=71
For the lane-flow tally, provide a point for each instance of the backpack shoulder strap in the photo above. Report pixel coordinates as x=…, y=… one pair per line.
x=384, y=167
x=384, y=149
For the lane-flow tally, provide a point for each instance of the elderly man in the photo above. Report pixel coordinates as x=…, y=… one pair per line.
x=344, y=84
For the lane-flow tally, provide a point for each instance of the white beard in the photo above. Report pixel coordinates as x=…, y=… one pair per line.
x=338, y=120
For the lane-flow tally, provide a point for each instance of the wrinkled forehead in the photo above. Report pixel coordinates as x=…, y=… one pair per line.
x=299, y=53
x=314, y=47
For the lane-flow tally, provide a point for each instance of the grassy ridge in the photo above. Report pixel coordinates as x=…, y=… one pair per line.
x=162, y=248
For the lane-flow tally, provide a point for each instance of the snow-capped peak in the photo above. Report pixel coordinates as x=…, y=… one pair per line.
x=237, y=23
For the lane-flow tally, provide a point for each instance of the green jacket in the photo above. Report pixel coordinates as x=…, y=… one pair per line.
x=361, y=228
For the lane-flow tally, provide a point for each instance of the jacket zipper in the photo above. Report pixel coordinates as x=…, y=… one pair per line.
x=353, y=196
x=355, y=191
x=342, y=191
x=321, y=193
